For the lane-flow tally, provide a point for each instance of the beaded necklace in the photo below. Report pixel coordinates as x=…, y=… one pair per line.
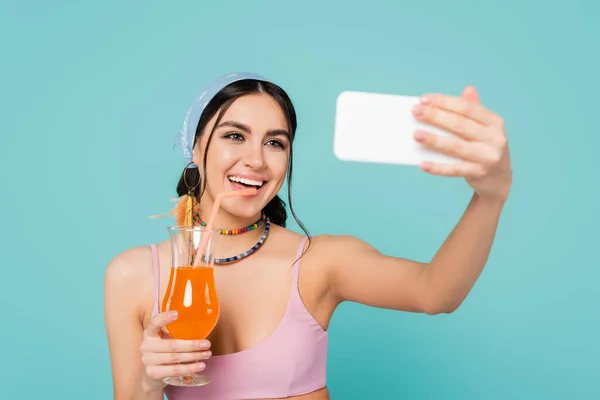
x=251, y=250
x=245, y=254
x=235, y=231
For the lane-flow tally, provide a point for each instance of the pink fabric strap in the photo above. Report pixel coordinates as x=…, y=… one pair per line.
x=156, y=270
x=297, y=261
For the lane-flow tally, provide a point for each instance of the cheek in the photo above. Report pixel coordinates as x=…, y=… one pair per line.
x=219, y=160
x=278, y=165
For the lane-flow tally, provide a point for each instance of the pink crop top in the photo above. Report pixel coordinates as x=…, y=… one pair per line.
x=290, y=362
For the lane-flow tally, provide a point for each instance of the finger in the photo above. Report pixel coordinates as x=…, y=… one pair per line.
x=165, y=334
x=177, y=346
x=471, y=94
x=457, y=124
x=470, y=151
x=462, y=106
x=159, y=321
x=175, y=358
x=158, y=372
x=465, y=169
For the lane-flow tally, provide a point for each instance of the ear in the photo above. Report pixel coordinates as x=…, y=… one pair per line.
x=196, y=157
x=471, y=94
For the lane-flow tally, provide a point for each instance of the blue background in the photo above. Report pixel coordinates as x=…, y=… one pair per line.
x=94, y=92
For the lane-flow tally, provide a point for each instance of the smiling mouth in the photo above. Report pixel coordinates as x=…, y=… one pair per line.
x=246, y=183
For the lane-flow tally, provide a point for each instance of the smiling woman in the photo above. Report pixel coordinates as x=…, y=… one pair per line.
x=278, y=289
x=274, y=129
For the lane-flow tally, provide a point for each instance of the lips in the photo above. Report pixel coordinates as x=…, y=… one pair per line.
x=242, y=182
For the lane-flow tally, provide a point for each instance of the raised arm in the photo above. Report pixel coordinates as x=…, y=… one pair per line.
x=361, y=274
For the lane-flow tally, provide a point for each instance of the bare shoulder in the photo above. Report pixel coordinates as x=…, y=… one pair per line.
x=342, y=241
x=328, y=253
x=129, y=266
x=285, y=233
x=320, y=250
x=337, y=248
x=286, y=240
x=354, y=270
x=128, y=278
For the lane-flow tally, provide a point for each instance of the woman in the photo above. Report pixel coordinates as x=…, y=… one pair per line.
x=277, y=301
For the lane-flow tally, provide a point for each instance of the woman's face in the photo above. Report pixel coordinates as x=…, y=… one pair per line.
x=249, y=148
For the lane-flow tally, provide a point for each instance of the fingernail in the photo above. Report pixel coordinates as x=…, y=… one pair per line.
x=204, y=345
x=418, y=110
x=419, y=136
x=173, y=314
x=206, y=354
x=425, y=100
x=199, y=366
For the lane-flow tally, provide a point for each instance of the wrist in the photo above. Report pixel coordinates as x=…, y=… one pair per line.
x=495, y=192
x=150, y=386
x=492, y=202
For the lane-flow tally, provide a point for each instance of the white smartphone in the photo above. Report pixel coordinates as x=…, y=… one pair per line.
x=379, y=128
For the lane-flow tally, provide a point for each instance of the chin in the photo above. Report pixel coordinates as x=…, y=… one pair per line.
x=243, y=208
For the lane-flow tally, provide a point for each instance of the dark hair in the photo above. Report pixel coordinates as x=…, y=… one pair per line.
x=275, y=209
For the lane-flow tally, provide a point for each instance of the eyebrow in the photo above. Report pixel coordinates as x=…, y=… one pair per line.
x=246, y=129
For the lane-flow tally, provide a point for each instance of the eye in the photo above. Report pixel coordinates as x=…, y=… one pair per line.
x=236, y=137
x=276, y=143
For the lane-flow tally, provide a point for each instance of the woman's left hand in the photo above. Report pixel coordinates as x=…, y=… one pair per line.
x=480, y=142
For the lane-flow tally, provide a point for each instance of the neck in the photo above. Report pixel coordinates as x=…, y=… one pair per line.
x=231, y=245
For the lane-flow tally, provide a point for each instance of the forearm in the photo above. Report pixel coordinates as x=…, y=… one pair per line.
x=458, y=263
x=143, y=391
x=140, y=394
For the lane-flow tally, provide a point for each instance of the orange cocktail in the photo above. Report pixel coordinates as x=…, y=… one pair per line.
x=194, y=296
x=191, y=290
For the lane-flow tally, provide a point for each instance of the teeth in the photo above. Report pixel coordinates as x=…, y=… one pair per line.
x=245, y=181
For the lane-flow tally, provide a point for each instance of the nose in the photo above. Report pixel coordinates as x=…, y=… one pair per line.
x=254, y=157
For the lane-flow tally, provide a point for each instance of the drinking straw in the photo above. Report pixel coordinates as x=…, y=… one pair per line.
x=219, y=198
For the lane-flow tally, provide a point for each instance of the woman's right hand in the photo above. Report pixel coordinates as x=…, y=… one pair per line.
x=161, y=354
